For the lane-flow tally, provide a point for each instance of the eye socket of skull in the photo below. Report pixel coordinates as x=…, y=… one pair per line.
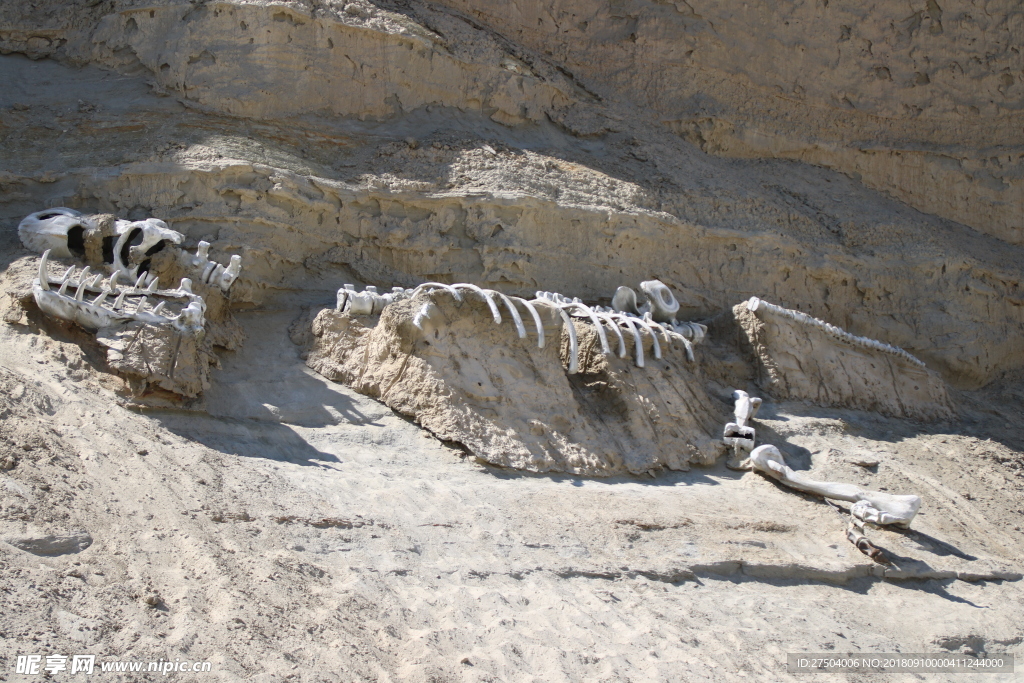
x=139, y=240
x=76, y=240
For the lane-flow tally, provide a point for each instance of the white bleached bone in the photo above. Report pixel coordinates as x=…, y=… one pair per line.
x=61, y=231
x=663, y=304
x=578, y=308
x=47, y=230
x=624, y=301
x=203, y=251
x=536, y=319
x=44, y=276
x=574, y=361
x=207, y=272
x=370, y=302
x=437, y=285
x=136, y=238
x=607, y=319
x=739, y=434
x=495, y=313
x=638, y=342
x=231, y=273
x=428, y=317
x=654, y=338
x=760, y=308
x=514, y=312
x=875, y=507
x=97, y=312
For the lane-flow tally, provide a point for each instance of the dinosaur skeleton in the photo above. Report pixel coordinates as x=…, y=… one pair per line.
x=761, y=308
x=739, y=434
x=371, y=302
x=871, y=507
x=125, y=246
x=874, y=507
x=94, y=302
x=154, y=337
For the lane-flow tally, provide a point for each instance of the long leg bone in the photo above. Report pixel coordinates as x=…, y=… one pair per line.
x=871, y=506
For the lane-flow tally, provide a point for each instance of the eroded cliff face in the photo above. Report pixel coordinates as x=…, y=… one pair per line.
x=921, y=100
x=394, y=144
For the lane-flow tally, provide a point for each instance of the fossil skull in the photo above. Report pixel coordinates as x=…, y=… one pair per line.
x=61, y=231
x=137, y=241
x=97, y=239
x=126, y=247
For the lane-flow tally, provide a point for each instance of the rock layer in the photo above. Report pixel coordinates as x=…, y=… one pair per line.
x=256, y=151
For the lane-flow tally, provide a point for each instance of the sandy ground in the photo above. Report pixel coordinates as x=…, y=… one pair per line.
x=293, y=530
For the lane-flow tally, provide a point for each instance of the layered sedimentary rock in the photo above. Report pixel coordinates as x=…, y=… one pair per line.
x=923, y=100
x=301, y=188
x=469, y=380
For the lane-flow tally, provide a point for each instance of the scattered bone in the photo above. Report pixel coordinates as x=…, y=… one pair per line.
x=855, y=534
x=870, y=506
x=739, y=435
x=873, y=507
